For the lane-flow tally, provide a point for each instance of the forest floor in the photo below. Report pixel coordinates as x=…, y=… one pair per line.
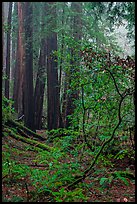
x=21, y=189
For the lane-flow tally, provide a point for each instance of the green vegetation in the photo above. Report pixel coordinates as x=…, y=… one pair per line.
x=62, y=178
x=72, y=138
x=60, y=165
x=63, y=163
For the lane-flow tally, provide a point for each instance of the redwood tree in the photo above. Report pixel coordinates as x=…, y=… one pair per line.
x=8, y=52
x=41, y=74
x=28, y=77
x=40, y=86
x=70, y=97
x=52, y=72
x=19, y=65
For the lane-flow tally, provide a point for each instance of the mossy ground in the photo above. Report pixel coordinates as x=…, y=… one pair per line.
x=18, y=185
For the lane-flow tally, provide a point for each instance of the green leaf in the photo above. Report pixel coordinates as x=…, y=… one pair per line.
x=103, y=180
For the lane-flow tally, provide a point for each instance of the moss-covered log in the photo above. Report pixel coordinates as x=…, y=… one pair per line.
x=27, y=140
x=29, y=132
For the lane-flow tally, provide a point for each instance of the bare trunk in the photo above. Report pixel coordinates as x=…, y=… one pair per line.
x=7, y=80
x=40, y=86
x=52, y=84
x=52, y=74
x=74, y=64
x=5, y=9
x=19, y=67
x=28, y=77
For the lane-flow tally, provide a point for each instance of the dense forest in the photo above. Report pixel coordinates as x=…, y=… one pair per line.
x=68, y=102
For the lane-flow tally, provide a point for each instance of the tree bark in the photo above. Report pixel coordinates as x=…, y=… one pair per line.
x=14, y=40
x=19, y=66
x=52, y=74
x=73, y=94
x=41, y=76
x=7, y=80
x=40, y=86
x=28, y=78
x=52, y=85
x=5, y=9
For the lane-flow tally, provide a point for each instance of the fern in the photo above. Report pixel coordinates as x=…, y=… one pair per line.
x=118, y=175
x=121, y=154
x=104, y=182
x=123, y=175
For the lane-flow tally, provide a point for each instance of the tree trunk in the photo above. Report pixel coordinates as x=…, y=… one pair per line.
x=5, y=10
x=7, y=80
x=40, y=86
x=19, y=66
x=41, y=76
x=64, y=103
x=52, y=75
x=14, y=41
x=28, y=78
x=52, y=84
x=73, y=95
x=61, y=122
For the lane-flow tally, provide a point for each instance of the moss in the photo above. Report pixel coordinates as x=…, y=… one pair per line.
x=28, y=141
x=22, y=127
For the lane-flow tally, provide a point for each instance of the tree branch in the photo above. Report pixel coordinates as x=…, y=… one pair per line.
x=88, y=170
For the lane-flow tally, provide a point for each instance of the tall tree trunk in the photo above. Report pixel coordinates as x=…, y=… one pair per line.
x=41, y=76
x=14, y=41
x=13, y=59
x=40, y=85
x=61, y=119
x=28, y=77
x=19, y=66
x=52, y=84
x=7, y=80
x=66, y=99
x=5, y=11
x=73, y=95
x=52, y=74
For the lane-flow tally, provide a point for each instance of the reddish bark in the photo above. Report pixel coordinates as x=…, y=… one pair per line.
x=69, y=103
x=52, y=84
x=52, y=74
x=7, y=80
x=40, y=86
x=19, y=67
x=28, y=75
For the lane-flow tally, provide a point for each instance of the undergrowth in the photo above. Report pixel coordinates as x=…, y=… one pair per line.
x=61, y=165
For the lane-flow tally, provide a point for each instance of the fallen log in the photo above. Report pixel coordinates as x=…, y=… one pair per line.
x=29, y=132
x=28, y=141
